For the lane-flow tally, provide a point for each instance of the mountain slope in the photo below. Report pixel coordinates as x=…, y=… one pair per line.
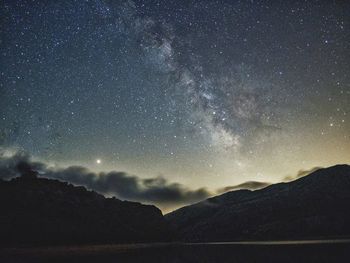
x=314, y=206
x=38, y=211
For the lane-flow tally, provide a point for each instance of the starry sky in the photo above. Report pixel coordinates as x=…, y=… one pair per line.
x=202, y=94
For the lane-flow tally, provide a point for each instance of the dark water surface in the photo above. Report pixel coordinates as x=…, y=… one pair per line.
x=294, y=251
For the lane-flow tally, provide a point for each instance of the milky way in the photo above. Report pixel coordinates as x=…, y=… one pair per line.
x=205, y=93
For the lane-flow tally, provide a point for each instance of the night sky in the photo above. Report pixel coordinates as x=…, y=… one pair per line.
x=190, y=93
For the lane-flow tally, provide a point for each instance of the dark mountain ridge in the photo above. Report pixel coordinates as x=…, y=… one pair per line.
x=314, y=206
x=40, y=211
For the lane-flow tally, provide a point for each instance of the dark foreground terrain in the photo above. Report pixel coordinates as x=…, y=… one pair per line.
x=39, y=212
x=313, y=207
x=326, y=251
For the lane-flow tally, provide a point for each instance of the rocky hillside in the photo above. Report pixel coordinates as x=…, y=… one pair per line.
x=315, y=206
x=37, y=211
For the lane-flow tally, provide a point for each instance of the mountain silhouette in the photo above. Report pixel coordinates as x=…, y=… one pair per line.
x=39, y=211
x=314, y=206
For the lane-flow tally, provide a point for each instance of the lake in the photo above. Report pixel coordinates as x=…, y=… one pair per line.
x=286, y=251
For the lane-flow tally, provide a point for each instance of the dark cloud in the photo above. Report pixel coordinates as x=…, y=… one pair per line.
x=120, y=184
x=251, y=185
x=156, y=190
x=302, y=173
x=12, y=165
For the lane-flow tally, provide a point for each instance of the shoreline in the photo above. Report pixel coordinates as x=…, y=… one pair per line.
x=119, y=248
